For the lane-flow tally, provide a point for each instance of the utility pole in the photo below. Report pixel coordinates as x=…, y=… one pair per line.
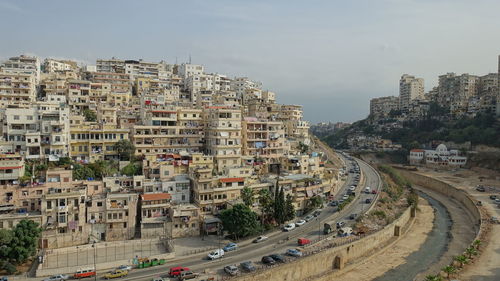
x=95, y=254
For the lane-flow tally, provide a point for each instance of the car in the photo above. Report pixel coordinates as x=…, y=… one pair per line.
x=493, y=197
x=353, y=216
x=230, y=247
x=368, y=200
x=316, y=213
x=186, y=275
x=309, y=218
x=294, y=253
x=340, y=224
x=494, y=220
x=176, y=271
x=115, y=274
x=352, y=188
x=374, y=191
x=268, y=260
x=247, y=266
x=334, y=203
x=289, y=227
x=260, y=239
x=303, y=241
x=231, y=269
x=277, y=257
x=58, y=277
x=217, y=254
x=497, y=201
x=368, y=190
x=125, y=267
x=341, y=201
x=159, y=279
x=84, y=273
x=345, y=197
x=300, y=222
x=480, y=188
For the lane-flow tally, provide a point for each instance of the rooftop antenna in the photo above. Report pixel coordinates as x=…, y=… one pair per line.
x=189, y=58
x=175, y=60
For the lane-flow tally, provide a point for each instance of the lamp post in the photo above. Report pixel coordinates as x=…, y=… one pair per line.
x=95, y=254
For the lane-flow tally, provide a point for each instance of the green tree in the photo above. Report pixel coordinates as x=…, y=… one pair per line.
x=433, y=278
x=125, y=149
x=132, y=169
x=449, y=269
x=7, y=266
x=477, y=243
x=247, y=196
x=289, y=208
x=240, y=221
x=266, y=205
x=462, y=260
x=471, y=251
x=82, y=172
x=279, y=210
x=90, y=115
x=24, y=241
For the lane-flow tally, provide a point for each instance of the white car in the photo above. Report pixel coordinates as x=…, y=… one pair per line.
x=59, y=277
x=260, y=239
x=345, y=197
x=300, y=222
x=125, y=267
x=217, y=254
x=289, y=227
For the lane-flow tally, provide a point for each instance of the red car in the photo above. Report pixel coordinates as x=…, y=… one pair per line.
x=303, y=241
x=176, y=271
x=374, y=191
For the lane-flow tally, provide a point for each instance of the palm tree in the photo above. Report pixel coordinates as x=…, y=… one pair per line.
x=477, y=243
x=247, y=196
x=471, y=251
x=462, y=260
x=449, y=269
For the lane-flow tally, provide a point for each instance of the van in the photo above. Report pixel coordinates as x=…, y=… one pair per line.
x=368, y=190
x=217, y=254
x=84, y=273
x=176, y=271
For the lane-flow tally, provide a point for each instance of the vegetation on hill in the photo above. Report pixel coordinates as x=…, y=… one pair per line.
x=17, y=245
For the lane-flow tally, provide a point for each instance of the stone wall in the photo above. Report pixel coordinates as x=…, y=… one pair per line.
x=332, y=259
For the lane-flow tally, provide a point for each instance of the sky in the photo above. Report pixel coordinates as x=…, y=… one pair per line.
x=332, y=56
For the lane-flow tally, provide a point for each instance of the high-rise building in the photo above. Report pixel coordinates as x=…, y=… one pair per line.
x=410, y=88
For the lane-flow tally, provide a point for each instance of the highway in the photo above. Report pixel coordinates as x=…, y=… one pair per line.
x=277, y=243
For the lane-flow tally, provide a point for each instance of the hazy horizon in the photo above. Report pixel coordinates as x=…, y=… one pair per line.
x=331, y=57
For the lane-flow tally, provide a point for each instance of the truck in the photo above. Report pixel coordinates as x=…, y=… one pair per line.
x=345, y=231
x=328, y=227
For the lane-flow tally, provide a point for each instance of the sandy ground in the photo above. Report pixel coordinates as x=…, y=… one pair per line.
x=395, y=254
x=487, y=266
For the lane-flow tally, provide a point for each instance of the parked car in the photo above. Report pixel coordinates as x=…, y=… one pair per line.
x=277, y=257
x=268, y=260
x=294, y=253
x=316, y=213
x=374, y=191
x=231, y=269
x=309, y=217
x=497, y=201
x=230, y=247
x=217, y=254
x=303, y=241
x=340, y=224
x=480, y=188
x=368, y=190
x=493, y=197
x=58, y=277
x=186, y=275
x=176, y=271
x=260, y=239
x=247, y=266
x=368, y=200
x=125, y=267
x=159, y=279
x=353, y=216
x=115, y=274
x=334, y=203
x=300, y=222
x=289, y=227
x=345, y=197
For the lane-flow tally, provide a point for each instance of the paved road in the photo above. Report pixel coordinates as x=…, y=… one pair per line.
x=276, y=243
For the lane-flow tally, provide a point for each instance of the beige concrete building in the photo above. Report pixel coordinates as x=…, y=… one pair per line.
x=381, y=107
x=155, y=215
x=410, y=88
x=17, y=87
x=264, y=139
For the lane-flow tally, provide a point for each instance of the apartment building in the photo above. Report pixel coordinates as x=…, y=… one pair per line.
x=140, y=68
x=92, y=141
x=52, y=65
x=17, y=87
x=179, y=187
x=120, y=82
x=11, y=215
x=23, y=65
x=381, y=107
x=11, y=168
x=264, y=139
x=241, y=84
x=18, y=122
x=223, y=136
x=110, y=65
x=454, y=92
x=155, y=215
x=185, y=221
x=410, y=88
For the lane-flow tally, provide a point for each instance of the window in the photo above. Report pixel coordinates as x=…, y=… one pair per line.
x=16, y=117
x=124, y=225
x=61, y=218
x=96, y=187
x=99, y=204
x=49, y=204
x=76, y=202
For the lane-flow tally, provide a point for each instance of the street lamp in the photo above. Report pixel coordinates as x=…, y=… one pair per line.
x=95, y=254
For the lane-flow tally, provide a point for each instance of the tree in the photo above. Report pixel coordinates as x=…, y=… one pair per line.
x=477, y=243
x=471, y=251
x=279, y=210
x=90, y=115
x=289, y=208
x=266, y=205
x=125, y=149
x=247, y=196
x=240, y=221
x=433, y=278
x=24, y=240
x=449, y=269
x=82, y=172
x=132, y=169
x=462, y=260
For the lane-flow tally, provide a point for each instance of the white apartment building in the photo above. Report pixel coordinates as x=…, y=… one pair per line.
x=17, y=87
x=410, y=88
x=23, y=65
x=179, y=187
x=185, y=70
x=52, y=65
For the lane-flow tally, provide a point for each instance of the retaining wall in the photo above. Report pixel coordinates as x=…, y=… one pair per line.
x=330, y=259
